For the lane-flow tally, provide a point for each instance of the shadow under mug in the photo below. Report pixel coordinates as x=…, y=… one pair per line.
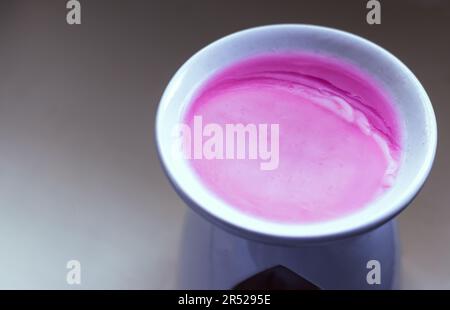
x=414, y=107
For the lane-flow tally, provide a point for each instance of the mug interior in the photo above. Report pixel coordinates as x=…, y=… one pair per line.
x=412, y=103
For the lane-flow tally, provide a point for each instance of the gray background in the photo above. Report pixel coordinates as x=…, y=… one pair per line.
x=79, y=175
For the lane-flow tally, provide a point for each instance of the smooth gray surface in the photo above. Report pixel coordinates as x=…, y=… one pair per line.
x=79, y=175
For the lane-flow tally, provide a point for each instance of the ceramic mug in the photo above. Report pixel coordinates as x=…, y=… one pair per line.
x=411, y=100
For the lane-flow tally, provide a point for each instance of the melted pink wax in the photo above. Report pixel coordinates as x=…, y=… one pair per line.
x=339, y=140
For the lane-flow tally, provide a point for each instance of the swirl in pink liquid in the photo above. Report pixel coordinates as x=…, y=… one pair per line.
x=339, y=137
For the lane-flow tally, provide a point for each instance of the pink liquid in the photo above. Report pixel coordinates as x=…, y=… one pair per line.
x=339, y=137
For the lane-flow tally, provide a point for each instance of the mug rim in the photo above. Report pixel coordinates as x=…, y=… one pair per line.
x=249, y=231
